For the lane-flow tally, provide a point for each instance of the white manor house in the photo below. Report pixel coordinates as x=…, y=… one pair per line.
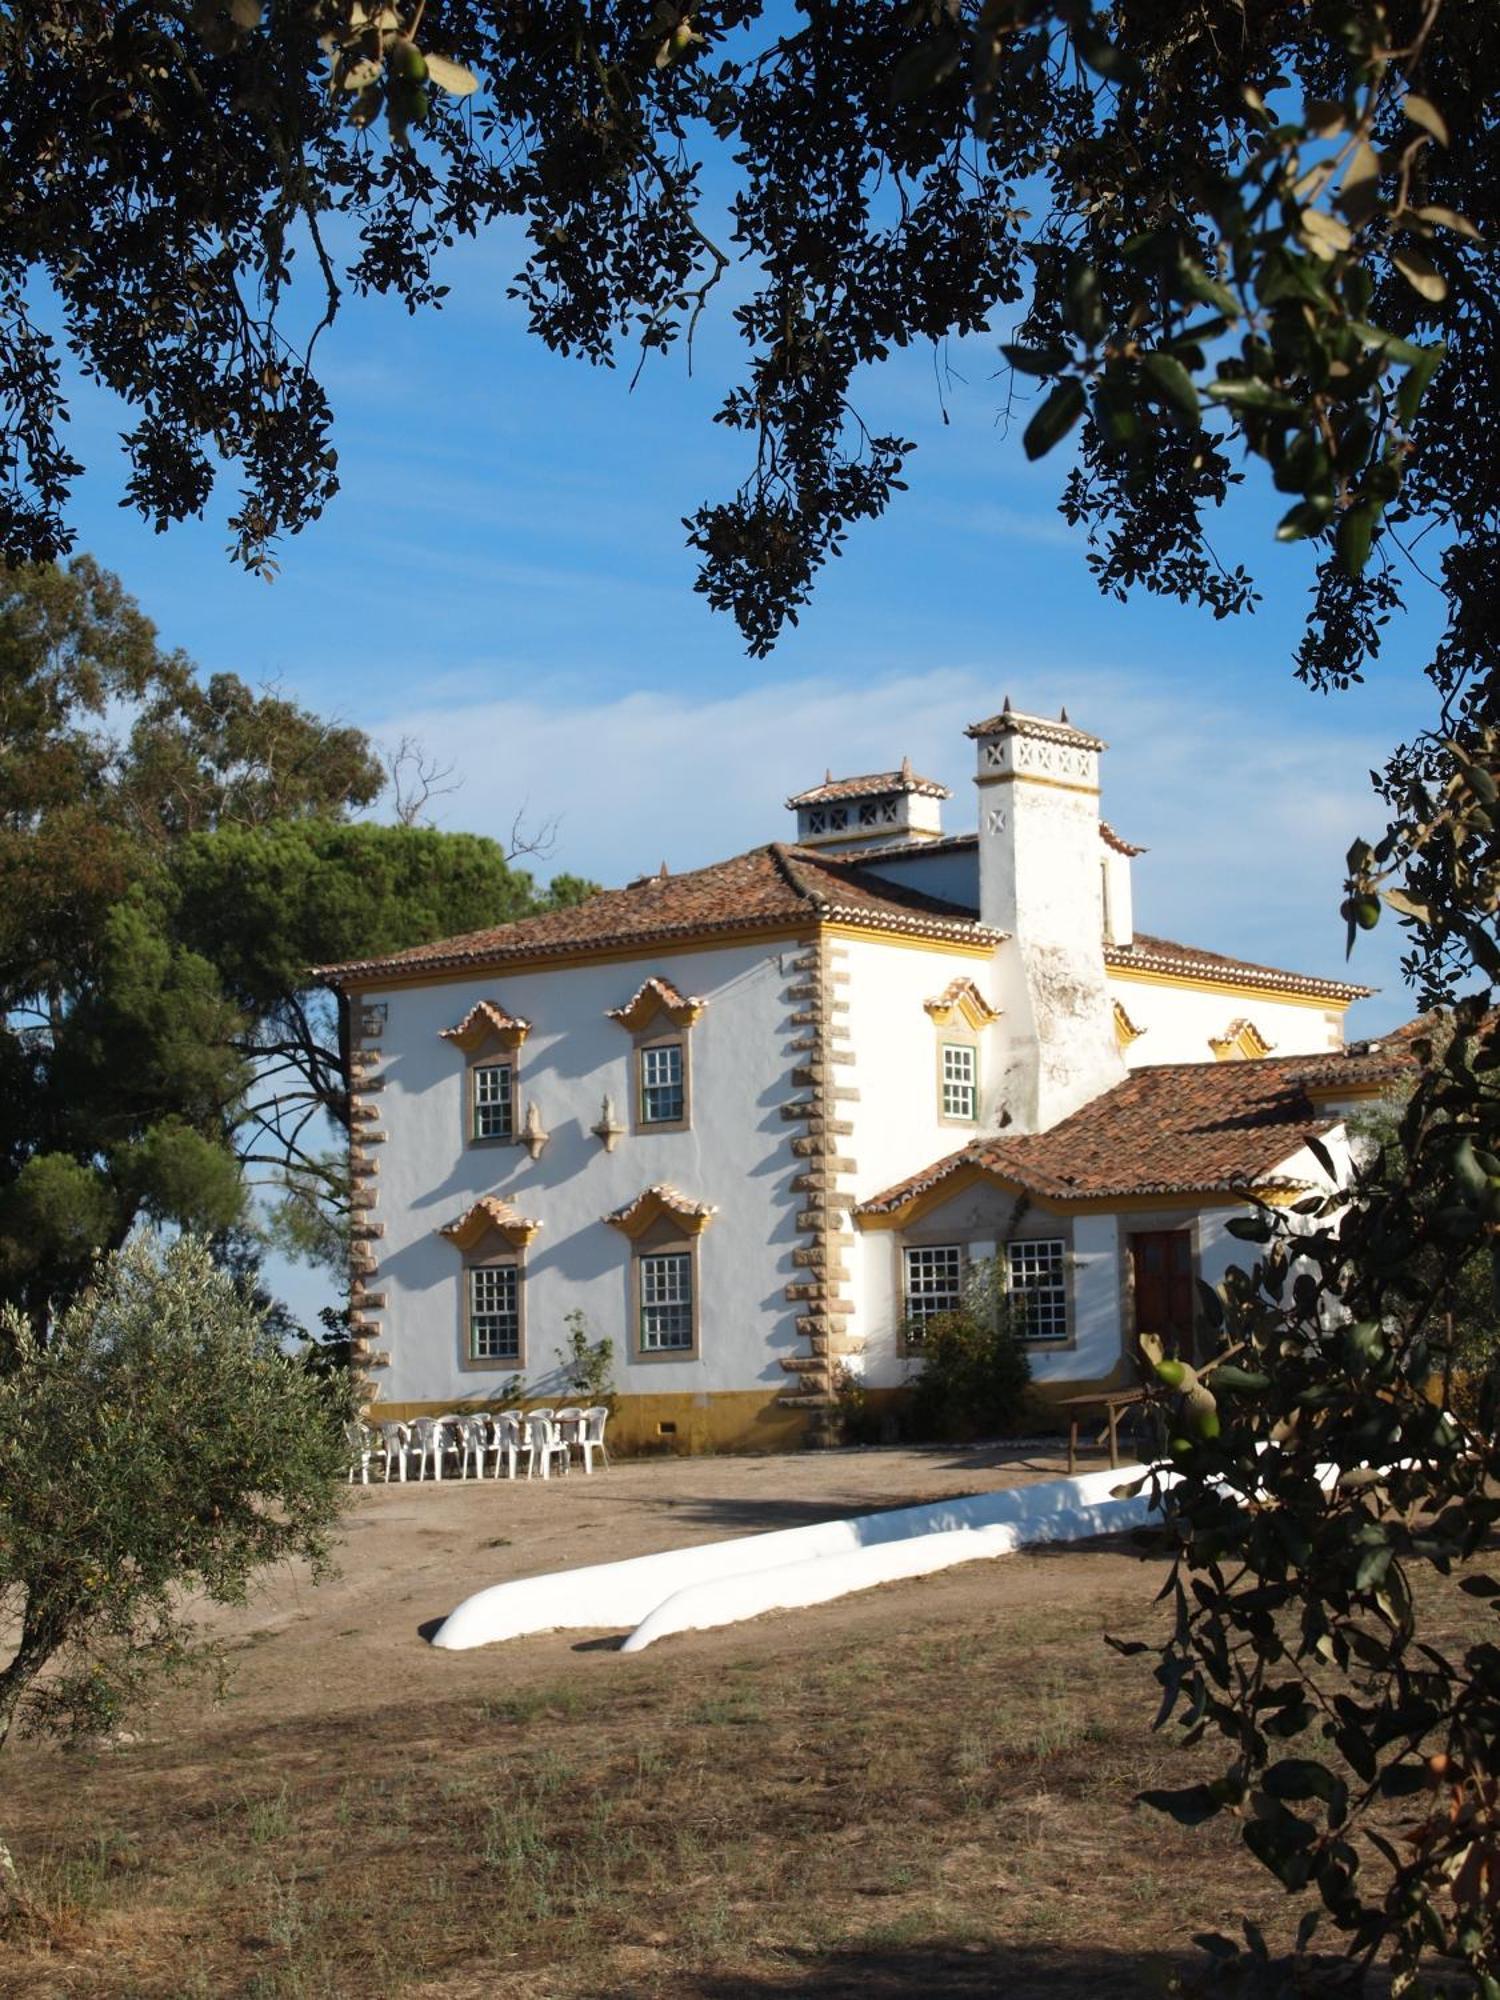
x=755, y=1120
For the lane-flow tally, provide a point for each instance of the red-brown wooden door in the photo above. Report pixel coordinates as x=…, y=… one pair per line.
x=1163, y=1263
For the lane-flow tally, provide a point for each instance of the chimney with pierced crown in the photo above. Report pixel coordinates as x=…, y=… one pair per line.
x=1041, y=881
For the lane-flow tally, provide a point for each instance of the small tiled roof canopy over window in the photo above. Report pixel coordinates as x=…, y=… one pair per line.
x=655, y=997
x=490, y=1215
x=486, y=1021
x=653, y=1203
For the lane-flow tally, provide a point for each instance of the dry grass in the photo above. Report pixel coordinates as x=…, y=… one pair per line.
x=944, y=1812
x=923, y=1790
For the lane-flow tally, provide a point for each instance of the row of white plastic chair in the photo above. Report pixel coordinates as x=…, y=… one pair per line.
x=544, y=1438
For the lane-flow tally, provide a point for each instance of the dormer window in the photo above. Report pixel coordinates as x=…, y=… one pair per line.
x=491, y=1041
x=960, y=1013
x=960, y=1082
x=492, y=1238
x=660, y=1020
x=663, y=1084
x=664, y=1227
x=493, y=1100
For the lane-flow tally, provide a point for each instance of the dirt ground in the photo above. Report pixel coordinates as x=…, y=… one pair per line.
x=412, y=1553
x=922, y=1789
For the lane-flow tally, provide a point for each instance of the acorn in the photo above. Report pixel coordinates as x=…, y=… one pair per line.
x=407, y=60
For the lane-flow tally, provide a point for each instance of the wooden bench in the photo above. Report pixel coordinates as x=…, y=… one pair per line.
x=1107, y=1403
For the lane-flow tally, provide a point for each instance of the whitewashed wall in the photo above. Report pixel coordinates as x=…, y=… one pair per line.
x=737, y=1156
x=1180, y=1021
x=898, y=1127
x=951, y=873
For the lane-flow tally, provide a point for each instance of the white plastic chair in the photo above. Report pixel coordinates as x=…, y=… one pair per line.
x=505, y=1441
x=429, y=1440
x=472, y=1436
x=395, y=1440
x=591, y=1436
x=570, y=1423
x=361, y=1451
x=542, y=1444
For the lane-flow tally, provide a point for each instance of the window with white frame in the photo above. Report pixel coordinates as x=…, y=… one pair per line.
x=1036, y=1277
x=933, y=1282
x=494, y=1312
x=493, y=1101
x=665, y=1278
x=960, y=1081
x=663, y=1084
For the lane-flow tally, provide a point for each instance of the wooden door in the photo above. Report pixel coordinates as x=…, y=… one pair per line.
x=1163, y=1264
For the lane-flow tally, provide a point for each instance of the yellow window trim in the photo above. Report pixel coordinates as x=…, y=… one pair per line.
x=962, y=998
x=1126, y=1031
x=1241, y=1041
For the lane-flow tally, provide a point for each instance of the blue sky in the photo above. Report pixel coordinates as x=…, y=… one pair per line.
x=504, y=576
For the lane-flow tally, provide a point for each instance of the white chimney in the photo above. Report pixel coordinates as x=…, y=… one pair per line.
x=1041, y=881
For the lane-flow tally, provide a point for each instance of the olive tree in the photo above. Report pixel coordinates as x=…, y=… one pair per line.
x=159, y=1451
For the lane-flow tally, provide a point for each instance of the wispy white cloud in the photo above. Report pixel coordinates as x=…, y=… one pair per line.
x=1247, y=826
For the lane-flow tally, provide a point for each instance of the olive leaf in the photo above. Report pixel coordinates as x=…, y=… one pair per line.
x=451, y=76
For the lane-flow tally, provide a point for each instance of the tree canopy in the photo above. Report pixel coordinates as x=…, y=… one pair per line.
x=1219, y=229
x=175, y=855
x=161, y=1441
x=1230, y=242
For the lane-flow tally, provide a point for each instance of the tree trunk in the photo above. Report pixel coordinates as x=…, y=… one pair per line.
x=41, y=1636
x=14, y=1902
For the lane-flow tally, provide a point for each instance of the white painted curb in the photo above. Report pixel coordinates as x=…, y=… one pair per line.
x=718, y=1583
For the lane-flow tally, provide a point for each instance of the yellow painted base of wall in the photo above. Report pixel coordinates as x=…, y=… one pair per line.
x=746, y=1420
x=1042, y=1414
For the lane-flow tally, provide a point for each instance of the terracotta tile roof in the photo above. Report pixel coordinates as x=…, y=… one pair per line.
x=652, y=1203
x=1010, y=722
x=870, y=786
x=485, y=1019
x=1154, y=954
x=1111, y=839
x=894, y=848
x=1179, y=1128
x=770, y=886
x=657, y=996
x=950, y=843
x=490, y=1212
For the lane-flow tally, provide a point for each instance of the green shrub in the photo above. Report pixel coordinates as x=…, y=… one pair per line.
x=975, y=1378
x=588, y=1366
x=858, y=1423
